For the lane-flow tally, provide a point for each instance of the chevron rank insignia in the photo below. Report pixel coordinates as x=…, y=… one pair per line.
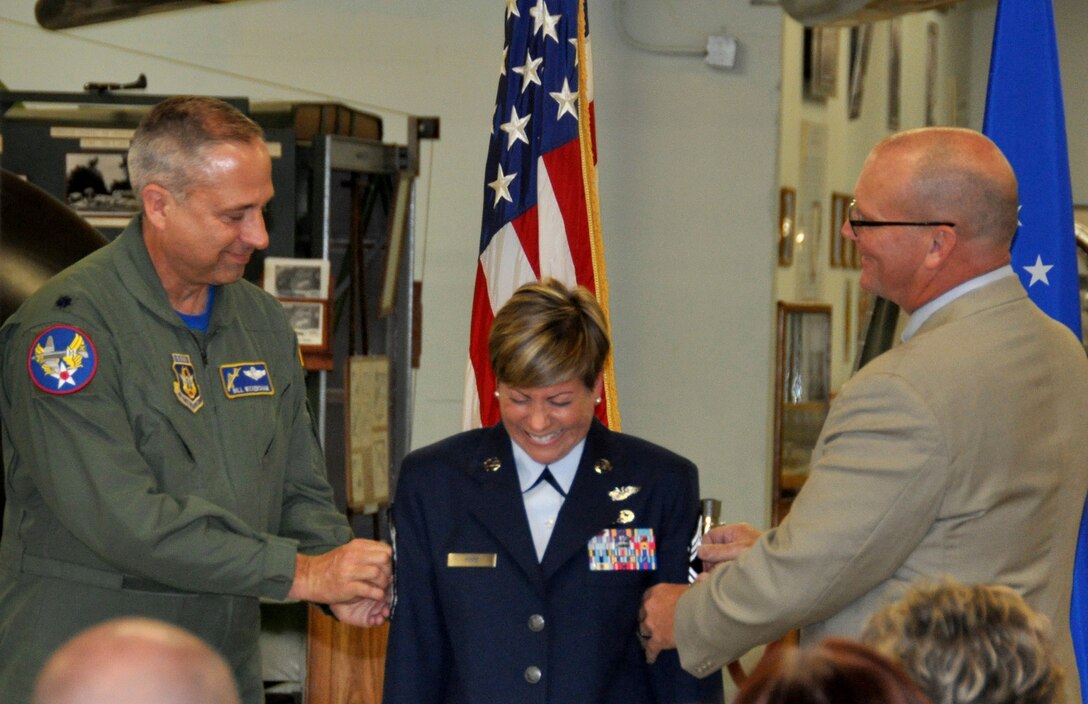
x=62, y=360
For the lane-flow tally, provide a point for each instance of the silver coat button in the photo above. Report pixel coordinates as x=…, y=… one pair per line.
x=536, y=623
x=532, y=674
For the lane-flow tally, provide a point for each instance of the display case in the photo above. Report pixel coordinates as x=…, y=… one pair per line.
x=801, y=397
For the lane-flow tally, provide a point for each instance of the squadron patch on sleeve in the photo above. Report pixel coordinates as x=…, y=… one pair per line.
x=245, y=379
x=62, y=360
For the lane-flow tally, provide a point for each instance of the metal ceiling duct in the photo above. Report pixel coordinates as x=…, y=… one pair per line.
x=62, y=14
x=845, y=13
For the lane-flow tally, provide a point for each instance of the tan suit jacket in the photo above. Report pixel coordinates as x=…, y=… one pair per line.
x=961, y=452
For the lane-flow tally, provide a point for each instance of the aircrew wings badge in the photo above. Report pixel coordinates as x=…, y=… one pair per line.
x=245, y=379
x=62, y=360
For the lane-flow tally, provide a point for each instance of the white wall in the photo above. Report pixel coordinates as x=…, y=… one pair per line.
x=687, y=178
x=688, y=175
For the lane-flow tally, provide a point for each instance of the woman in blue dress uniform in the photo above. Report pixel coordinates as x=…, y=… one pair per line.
x=523, y=549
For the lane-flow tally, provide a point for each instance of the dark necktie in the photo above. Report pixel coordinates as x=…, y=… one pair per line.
x=547, y=476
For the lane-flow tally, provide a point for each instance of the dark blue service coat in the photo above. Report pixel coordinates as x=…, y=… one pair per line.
x=523, y=631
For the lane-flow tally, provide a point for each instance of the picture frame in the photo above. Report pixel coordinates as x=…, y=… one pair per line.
x=787, y=224
x=310, y=321
x=398, y=228
x=366, y=426
x=840, y=255
x=820, y=62
x=802, y=395
x=932, y=67
x=1080, y=232
x=97, y=187
x=894, y=71
x=861, y=40
x=290, y=278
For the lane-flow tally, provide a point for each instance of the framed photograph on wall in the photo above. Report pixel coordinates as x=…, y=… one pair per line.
x=96, y=186
x=367, y=432
x=1080, y=225
x=861, y=40
x=840, y=247
x=291, y=278
x=820, y=62
x=1080, y=231
x=932, y=32
x=802, y=395
x=894, y=47
x=787, y=224
x=310, y=320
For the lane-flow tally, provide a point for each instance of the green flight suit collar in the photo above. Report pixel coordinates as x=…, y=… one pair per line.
x=142, y=281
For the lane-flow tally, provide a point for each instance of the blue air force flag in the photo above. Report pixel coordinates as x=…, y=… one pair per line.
x=1025, y=116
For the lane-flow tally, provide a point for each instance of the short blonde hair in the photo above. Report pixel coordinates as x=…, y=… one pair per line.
x=548, y=334
x=969, y=643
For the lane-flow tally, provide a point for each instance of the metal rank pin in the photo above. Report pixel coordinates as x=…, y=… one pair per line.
x=602, y=466
x=492, y=464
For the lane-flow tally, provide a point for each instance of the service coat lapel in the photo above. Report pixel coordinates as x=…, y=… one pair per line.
x=496, y=502
x=587, y=509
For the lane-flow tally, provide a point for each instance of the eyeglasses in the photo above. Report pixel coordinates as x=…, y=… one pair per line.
x=851, y=217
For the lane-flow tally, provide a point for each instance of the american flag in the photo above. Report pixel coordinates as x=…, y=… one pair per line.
x=540, y=214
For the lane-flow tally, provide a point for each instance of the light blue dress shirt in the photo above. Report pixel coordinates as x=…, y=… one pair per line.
x=925, y=312
x=543, y=502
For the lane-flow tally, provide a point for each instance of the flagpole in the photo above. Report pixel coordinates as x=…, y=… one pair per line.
x=593, y=211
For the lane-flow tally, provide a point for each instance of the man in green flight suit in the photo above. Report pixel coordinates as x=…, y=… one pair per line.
x=159, y=454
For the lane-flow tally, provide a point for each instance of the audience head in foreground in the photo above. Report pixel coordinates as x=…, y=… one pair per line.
x=135, y=661
x=835, y=671
x=967, y=644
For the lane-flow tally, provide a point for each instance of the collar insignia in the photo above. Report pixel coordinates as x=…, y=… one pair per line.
x=245, y=379
x=62, y=360
x=185, y=387
x=622, y=493
x=492, y=464
x=602, y=466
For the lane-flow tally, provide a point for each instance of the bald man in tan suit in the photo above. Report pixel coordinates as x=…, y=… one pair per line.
x=960, y=452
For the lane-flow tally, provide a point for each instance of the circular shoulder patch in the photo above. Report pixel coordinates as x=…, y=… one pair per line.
x=62, y=360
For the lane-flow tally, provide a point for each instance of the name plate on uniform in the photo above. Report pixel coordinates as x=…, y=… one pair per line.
x=471, y=559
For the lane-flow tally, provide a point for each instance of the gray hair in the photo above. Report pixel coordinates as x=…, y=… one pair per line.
x=967, y=644
x=172, y=141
